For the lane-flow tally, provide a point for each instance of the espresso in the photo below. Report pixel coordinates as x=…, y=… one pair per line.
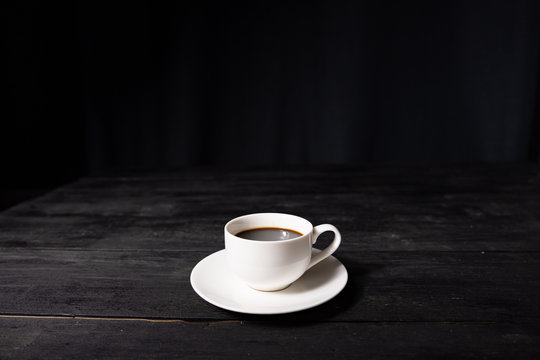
x=268, y=234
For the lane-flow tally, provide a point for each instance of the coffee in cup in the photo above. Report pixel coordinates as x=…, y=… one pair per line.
x=269, y=251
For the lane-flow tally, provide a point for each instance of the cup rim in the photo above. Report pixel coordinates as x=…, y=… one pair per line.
x=273, y=241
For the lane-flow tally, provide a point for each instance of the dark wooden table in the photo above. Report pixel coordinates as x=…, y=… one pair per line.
x=443, y=262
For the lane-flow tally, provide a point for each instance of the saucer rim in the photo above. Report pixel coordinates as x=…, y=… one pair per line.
x=276, y=312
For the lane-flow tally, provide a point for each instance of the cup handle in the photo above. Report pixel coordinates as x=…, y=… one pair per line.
x=318, y=230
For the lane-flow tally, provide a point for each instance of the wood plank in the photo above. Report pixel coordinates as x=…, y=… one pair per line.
x=477, y=209
x=26, y=338
x=383, y=286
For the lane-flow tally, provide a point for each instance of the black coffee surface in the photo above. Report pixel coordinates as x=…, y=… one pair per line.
x=268, y=234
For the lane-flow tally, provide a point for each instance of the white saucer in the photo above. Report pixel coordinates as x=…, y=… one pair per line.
x=214, y=282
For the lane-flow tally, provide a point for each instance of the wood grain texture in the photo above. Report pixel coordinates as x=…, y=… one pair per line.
x=383, y=286
x=117, y=339
x=442, y=262
x=486, y=208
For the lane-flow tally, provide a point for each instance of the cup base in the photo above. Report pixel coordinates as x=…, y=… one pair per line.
x=270, y=290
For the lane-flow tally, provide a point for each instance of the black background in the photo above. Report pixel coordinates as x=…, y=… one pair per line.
x=95, y=88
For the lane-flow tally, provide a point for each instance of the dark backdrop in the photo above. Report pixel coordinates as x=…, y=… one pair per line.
x=98, y=87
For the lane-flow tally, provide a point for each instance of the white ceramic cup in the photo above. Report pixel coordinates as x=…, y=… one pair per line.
x=274, y=265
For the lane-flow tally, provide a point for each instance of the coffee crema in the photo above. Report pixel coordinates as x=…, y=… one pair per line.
x=268, y=234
